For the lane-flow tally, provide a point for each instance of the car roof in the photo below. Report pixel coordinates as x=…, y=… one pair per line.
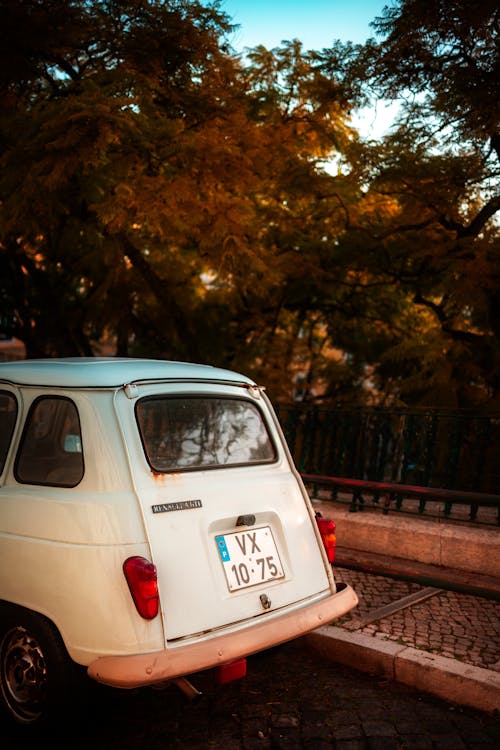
x=99, y=372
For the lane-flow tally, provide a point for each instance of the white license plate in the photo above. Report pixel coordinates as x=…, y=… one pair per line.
x=249, y=557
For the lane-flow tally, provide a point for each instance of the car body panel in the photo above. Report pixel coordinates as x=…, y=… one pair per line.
x=270, y=492
x=63, y=547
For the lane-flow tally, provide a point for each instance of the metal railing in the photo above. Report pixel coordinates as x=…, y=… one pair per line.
x=438, y=448
x=452, y=504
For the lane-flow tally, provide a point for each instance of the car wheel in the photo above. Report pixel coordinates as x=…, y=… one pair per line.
x=37, y=677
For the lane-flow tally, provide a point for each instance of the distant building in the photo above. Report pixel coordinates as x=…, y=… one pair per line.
x=11, y=349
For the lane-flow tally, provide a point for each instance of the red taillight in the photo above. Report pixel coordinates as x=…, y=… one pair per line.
x=143, y=584
x=327, y=530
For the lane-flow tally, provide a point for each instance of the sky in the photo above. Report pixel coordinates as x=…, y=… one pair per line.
x=317, y=24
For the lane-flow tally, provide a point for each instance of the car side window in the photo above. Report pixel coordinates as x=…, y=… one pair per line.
x=8, y=415
x=50, y=451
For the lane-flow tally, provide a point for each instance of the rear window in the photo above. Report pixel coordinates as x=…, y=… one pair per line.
x=8, y=414
x=186, y=433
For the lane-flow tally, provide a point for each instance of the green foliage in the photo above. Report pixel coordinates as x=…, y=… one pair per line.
x=160, y=196
x=446, y=53
x=428, y=217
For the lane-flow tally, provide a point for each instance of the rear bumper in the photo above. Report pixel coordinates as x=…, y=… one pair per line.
x=184, y=659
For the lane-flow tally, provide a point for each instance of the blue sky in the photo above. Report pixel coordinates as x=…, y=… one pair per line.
x=317, y=23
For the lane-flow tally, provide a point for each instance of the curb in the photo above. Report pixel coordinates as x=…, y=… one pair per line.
x=446, y=678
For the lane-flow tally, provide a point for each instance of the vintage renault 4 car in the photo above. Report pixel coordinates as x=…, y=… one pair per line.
x=152, y=525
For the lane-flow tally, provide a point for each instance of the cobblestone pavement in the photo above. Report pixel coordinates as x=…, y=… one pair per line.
x=448, y=623
x=291, y=699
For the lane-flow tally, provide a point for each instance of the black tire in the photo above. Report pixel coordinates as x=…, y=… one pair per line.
x=37, y=678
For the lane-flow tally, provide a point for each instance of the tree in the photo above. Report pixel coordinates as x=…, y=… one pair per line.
x=154, y=188
x=161, y=193
x=437, y=249
x=91, y=179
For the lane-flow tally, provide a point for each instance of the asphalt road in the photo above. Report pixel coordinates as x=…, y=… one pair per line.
x=291, y=699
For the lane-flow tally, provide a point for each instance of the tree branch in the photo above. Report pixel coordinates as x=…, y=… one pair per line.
x=159, y=287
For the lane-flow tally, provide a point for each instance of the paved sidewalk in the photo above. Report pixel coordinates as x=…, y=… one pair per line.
x=448, y=623
x=432, y=638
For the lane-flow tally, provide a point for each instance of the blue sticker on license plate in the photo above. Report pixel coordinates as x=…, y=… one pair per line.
x=222, y=547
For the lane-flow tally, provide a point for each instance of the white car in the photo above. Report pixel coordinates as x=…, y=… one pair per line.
x=152, y=525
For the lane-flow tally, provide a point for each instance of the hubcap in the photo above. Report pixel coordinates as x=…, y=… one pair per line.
x=23, y=674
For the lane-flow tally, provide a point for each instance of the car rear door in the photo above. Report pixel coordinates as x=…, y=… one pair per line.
x=230, y=531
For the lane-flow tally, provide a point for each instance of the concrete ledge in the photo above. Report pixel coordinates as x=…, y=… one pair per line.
x=447, y=678
x=434, y=542
x=470, y=549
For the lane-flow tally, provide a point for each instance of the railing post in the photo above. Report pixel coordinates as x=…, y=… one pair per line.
x=409, y=432
x=430, y=448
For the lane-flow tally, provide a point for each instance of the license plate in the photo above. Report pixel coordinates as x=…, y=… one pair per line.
x=249, y=557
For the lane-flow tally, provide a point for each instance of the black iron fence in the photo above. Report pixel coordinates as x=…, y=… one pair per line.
x=455, y=450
